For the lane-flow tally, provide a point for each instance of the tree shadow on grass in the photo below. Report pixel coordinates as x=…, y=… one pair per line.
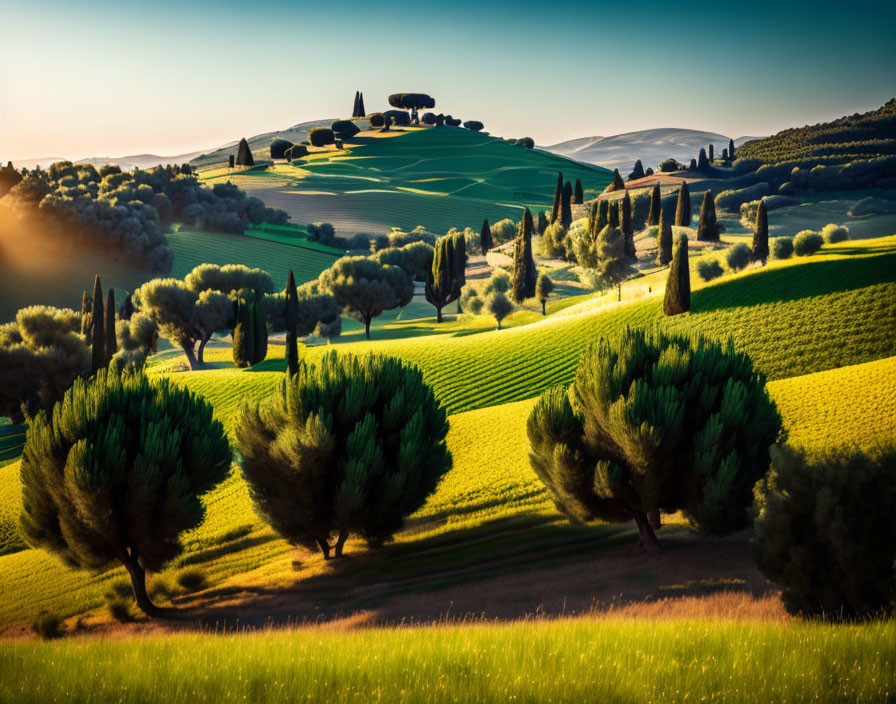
x=790, y=283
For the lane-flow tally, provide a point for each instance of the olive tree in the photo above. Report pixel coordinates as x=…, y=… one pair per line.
x=656, y=421
x=116, y=474
x=348, y=445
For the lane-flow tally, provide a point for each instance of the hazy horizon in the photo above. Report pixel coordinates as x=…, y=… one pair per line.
x=118, y=79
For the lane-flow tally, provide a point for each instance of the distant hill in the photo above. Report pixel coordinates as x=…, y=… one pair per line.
x=650, y=146
x=850, y=138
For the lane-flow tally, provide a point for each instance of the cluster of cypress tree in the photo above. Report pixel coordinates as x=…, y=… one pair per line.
x=447, y=276
x=566, y=206
x=617, y=184
x=98, y=325
x=524, y=272
x=558, y=197
x=250, y=335
x=358, y=108
x=707, y=228
x=683, y=209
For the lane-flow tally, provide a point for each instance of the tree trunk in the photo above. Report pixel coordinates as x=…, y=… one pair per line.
x=367, y=328
x=619, y=293
x=499, y=325
x=191, y=357
x=653, y=517
x=138, y=581
x=542, y=308
x=648, y=537
x=459, y=311
x=438, y=314
x=200, y=353
x=340, y=542
x=324, y=548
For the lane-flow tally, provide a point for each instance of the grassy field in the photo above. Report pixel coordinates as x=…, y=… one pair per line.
x=563, y=661
x=64, y=274
x=438, y=178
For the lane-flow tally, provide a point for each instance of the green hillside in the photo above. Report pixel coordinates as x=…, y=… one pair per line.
x=435, y=177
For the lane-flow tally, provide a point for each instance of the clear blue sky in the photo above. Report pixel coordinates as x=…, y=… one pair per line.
x=113, y=78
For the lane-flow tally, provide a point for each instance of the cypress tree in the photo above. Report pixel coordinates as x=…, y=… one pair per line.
x=231, y=161
x=731, y=149
x=760, y=235
x=292, y=325
x=361, y=111
x=566, y=206
x=244, y=154
x=653, y=216
x=447, y=275
x=98, y=320
x=637, y=172
x=578, y=196
x=558, y=196
x=725, y=155
x=693, y=165
x=683, y=209
x=485, y=238
x=617, y=184
x=86, y=309
x=460, y=265
x=613, y=208
x=109, y=327
x=707, y=230
x=603, y=215
x=711, y=154
x=243, y=332
x=678, y=285
x=259, y=330
x=524, y=272
x=702, y=161
x=663, y=241
x=627, y=229
x=355, y=106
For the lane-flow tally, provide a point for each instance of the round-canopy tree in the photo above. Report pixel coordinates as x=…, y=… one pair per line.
x=365, y=288
x=321, y=136
x=474, y=125
x=349, y=445
x=345, y=129
x=656, y=421
x=279, y=147
x=116, y=473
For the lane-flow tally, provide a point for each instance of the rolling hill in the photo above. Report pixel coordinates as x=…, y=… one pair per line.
x=650, y=146
x=435, y=177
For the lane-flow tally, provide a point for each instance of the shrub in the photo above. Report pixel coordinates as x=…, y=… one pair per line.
x=807, y=243
x=345, y=129
x=834, y=233
x=279, y=147
x=296, y=151
x=322, y=232
x=399, y=117
x=47, y=625
x=709, y=270
x=499, y=282
x=377, y=119
x=348, y=445
x=738, y=257
x=733, y=198
x=782, y=247
x=161, y=589
x=826, y=531
x=120, y=609
x=192, y=579
x=321, y=136
x=503, y=230
x=656, y=421
x=474, y=125
x=167, y=451
x=668, y=165
x=872, y=206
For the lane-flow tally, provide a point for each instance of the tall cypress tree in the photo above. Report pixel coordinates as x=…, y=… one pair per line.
x=109, y=327
x=485, y=238
x=446, y=277
x=603, y=215
x=86, y=311
x=97, y=328
x=613, y=213
x=663, y=240
x=707, y=229
x=558, y=196
x=653, y=216
x=627, y=229
x=355, y=106
x=683, y=208
x=260, y=330
x=760, y=235
x=524, y=272
x=678, y=285
x=292, y=325
x=731, y=150
x=460, y=265
x=566, y=206
x=578, y=195
x=637, y=172
x=712, y=157
x=361, y=111
x=617, y=184
x=244, y=331
x=244, y=154
x=702, y=161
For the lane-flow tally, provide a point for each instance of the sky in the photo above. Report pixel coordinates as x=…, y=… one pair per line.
x=99, y=78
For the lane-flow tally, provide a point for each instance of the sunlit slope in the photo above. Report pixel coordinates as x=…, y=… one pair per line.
x=435, y=177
